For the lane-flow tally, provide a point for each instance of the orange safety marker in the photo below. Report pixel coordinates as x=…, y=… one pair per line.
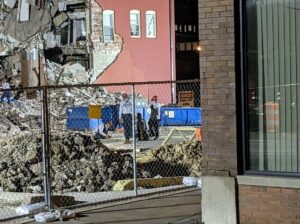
x=198, y=134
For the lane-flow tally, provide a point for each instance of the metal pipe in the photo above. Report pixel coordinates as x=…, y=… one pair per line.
x=173, y=97
x=134, y=142
x=45, y=147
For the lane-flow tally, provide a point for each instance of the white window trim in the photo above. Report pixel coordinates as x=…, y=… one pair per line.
x=109, y=12
x=134, y=11
x=151, y=12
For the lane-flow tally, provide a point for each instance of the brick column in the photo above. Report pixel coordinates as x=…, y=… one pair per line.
x=216, y=28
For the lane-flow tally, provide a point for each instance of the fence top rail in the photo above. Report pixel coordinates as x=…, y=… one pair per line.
x=123, y=84
x=103, y=85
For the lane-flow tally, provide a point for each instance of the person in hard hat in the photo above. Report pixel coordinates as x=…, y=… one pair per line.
x=154, y=117
x=125, y=117
x=6, y=91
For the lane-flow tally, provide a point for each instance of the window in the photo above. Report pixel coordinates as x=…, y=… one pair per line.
x=272, y=56
x=108, y=26
x=150, y=24
x=135, y=28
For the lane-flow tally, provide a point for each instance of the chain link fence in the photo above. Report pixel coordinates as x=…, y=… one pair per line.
x=90, y=144
x=21, y=156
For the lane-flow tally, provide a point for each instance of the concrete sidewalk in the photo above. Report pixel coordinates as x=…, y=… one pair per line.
x=173, y=208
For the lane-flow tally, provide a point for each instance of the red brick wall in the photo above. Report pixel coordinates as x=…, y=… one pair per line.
x=216, y=28
x=269, y=205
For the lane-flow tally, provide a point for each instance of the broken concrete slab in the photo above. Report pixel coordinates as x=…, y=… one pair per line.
x=60, y=18
x=10, y=3
x=23, y=11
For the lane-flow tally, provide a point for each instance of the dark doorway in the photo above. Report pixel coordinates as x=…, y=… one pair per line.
x=187, y=39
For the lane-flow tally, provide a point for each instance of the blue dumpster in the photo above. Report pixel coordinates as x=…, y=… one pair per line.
x=82, y=123
x=176, y=116
x=194, y=117
x=78, y=112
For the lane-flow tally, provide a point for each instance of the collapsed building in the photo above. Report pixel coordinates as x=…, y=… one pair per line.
x=115, y=42
x=63, y=43
x=36, y=34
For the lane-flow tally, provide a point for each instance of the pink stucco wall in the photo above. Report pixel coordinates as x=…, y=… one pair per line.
x=142, y=59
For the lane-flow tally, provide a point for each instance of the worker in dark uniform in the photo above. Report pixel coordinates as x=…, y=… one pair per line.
x=142, y=131
x=154, y=118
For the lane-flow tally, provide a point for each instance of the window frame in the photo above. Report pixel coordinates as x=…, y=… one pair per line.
x=112, y=14
x=138, y=13
x=242, y=96
x=153, y=13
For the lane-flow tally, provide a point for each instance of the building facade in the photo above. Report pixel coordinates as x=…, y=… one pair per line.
x=250, y=100
x=132, y=42
x=145, y=40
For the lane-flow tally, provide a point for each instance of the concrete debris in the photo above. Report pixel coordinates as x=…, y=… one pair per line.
x=24, y=114
x=55, y=215
x=185, y=159
x=31, y=209
x=66, y=74
x=23, y=11
x=60, y=18
x=51, y=40
x=191, y=181
x=62, y=6
x=80, y=162
x=7, y=44
x=10, y=3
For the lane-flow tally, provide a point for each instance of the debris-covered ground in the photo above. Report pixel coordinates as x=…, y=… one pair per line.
x=185, y=157
x=80, y=162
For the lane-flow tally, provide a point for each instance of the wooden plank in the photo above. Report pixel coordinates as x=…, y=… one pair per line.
x=168, y=137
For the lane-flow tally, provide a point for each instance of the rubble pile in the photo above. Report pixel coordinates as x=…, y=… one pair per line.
x=78, y=163
x=25, y=114
x=21, y=116
x=182, y=159
x=81, y=163
x=66, y=74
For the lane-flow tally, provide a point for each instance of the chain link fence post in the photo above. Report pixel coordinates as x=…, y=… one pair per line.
x=45, y=146
x=134, y=140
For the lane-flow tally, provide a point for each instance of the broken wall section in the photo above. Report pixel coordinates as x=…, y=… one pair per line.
x=103, y=53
